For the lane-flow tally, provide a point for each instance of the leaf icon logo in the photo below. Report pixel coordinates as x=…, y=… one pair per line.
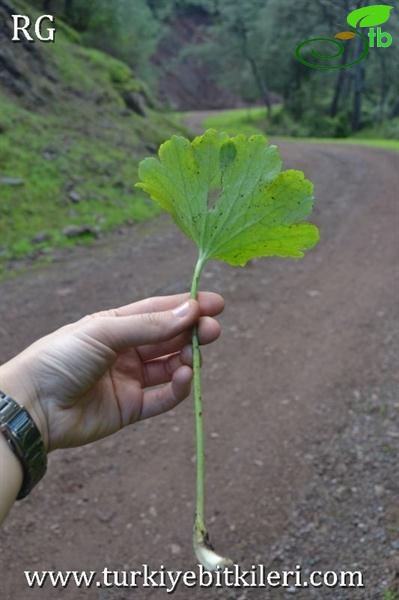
x=369, y=16
x=345, y=35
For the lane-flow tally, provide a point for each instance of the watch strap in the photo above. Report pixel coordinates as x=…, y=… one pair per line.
x=25, y=440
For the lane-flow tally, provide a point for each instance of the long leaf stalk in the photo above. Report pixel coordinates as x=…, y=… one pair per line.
x=261, y=211
x=202, y=547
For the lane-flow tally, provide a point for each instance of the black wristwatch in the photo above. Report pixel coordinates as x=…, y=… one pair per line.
x=25, y=441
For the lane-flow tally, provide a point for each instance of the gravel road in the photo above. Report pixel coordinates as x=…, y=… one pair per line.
x=302, y=406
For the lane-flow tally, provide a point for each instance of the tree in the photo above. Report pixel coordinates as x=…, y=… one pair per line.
x=69, y=10
x=126, y=30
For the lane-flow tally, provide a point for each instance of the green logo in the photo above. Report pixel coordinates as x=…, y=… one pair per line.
x=368, y=16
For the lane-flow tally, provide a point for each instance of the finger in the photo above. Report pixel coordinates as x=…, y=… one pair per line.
x=161, y=370
x=186, y=355
x=210, y=304
x=119, y=333
x=160, y=400
x=208, y=331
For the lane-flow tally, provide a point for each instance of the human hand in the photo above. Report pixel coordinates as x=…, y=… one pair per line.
x=89, y=379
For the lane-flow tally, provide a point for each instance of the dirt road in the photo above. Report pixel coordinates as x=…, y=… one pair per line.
x=302, y=407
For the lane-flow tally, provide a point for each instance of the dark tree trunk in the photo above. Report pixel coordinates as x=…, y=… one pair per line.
x=338, y=90
x=337, y=94
x=262, y=87
x=357, y=97
x=344, y=82
x=384, y=87
x=264, y=92
x=395, y=110
x=358, y=87
x=69, y=10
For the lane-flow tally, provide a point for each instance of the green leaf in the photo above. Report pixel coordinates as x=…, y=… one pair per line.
x=230, y=197
x=369, y=16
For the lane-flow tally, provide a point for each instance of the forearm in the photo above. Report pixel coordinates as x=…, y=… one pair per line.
x=10, y=477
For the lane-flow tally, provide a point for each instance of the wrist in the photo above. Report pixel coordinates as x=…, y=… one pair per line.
x=11, y=477
x=13, y=384
x=25, y=440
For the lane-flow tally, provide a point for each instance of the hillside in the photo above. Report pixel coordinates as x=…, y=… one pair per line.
x=74, y=123
x=188, y=83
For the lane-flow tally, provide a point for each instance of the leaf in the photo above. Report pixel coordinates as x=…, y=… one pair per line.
x=230, y=197
x=345, y=35
x=369, y=16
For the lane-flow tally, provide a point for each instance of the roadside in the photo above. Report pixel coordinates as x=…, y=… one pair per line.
x=253, y=120
x=69, y=182
x=74, y=124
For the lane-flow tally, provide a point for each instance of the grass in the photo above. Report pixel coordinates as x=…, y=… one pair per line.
x=249, y=119
x=60, y=161
x=391, y=595
x=373, y=143
x=243, y=120
x=76, y=153
x=254, y=120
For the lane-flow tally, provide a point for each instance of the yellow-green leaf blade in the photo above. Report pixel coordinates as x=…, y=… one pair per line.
x=261, y=241
x=230, y=197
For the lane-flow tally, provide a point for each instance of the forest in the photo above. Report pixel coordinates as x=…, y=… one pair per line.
x=204, y=54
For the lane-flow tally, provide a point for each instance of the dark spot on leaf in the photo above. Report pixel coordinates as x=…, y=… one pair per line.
x=213, y=196
x=227, y=155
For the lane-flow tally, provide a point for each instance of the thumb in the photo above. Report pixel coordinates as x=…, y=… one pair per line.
x=119, y=333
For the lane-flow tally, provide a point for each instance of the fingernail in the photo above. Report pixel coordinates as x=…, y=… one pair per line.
x=182, y=310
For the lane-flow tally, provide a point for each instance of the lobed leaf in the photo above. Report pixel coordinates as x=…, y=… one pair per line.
x=229, y=196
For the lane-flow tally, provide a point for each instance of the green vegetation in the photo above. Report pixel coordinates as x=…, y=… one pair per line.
x=76, y=120
x=391, y=595
x=254, y=120
x=247, y=47
x=74, y=178
x=229, y=196
x=355, y=140
x=248, y=120
x=72, y=160
x=127, y=30
x=250, y=50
